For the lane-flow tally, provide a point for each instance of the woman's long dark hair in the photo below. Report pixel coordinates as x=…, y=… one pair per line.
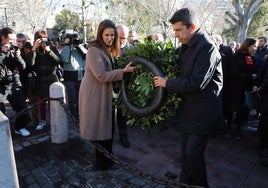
x=114, y=50
x=245, y=45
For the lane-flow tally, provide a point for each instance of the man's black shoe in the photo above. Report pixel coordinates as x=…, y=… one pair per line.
x=124, y=141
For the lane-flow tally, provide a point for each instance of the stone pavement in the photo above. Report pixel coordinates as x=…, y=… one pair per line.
x=43, y=164
x=40, y=163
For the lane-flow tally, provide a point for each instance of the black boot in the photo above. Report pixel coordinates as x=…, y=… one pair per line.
x=228, y=133
x=228, y=130
x=124, y=141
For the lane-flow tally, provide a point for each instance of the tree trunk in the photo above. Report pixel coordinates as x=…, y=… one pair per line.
x=243, y=30
x=245, y=13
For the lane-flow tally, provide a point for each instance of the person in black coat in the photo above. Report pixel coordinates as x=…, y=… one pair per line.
x=262, y=92
x=44, y=61
x=244, y=72
x=200, y=85
x=226, y=53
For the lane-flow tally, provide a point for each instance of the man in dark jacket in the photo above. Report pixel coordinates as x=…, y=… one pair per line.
x=200, y=84
x=262, y=92
x=261, y=51
x=121, y=120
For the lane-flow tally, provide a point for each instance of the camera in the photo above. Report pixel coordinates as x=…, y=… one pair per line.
x=13, y=47
x=74, y=38
x=14, y=78
x=45, y=42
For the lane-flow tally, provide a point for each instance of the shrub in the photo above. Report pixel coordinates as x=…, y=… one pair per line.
x=140, y=88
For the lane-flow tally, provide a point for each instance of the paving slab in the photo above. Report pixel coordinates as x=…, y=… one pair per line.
x=155, y=153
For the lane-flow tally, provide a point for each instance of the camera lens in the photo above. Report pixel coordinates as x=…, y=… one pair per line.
x=17, y=82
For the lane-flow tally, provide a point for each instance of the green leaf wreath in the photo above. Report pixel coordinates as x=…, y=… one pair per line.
x=140, y=88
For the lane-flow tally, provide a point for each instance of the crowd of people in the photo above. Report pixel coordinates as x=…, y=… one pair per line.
x=28, y=68
x=219, y=83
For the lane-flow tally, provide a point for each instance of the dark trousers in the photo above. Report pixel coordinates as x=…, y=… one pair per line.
x=263, y=128
x=72, y=90
x=121, y=123
x=193, y=171
x=241, y=112
x=18, y=103
x=42, y=109
x=103, y=162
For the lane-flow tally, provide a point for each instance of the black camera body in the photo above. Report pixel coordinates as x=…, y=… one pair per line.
x=45, y=42
x=74, y=38
x=13, y=47
x=15, y=78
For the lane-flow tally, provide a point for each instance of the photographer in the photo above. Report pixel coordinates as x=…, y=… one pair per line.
x=25, y=48
x=11, y=63
x=21, y=40
x=44, y=60
x=73, y=57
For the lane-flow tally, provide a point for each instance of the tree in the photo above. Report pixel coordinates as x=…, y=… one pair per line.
x=137, y=18
x=67, y=20
x=210, y=14
x=245, y=10
x=259, y=22
x=33, y=13
x=26, y=16
x=152, y=16
x=256, y=26
x=161, y=10
x=231, y=32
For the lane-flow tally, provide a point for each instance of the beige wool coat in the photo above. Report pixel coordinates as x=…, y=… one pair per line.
x=95, y=95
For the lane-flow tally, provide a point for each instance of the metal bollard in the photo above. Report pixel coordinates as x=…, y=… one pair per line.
x=58, y=118
x=8, y=170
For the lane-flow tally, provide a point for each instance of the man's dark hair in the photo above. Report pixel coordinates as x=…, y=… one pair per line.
x=5, y=32
x=20, y=35
x=183, y=15
x=264, y=38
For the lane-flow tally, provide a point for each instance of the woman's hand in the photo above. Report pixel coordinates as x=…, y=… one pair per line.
x=37, y=43
x=129, y=68
x=47, y=48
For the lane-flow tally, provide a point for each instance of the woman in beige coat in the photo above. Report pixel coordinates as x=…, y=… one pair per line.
x=96, y=91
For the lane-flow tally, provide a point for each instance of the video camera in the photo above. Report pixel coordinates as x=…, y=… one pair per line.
x=74, y=38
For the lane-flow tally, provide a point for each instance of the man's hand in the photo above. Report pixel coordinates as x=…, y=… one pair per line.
x=160, y=81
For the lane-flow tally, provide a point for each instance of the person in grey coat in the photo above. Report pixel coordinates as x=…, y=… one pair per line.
x=96, y=91
x=200, y=85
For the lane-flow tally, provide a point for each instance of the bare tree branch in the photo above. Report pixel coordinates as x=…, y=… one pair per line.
x=234, y=19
